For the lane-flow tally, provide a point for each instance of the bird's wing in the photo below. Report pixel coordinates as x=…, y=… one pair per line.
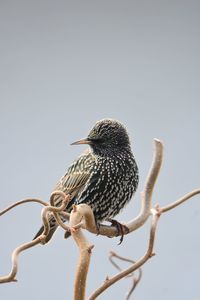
x=77, y=175
x=72, y=182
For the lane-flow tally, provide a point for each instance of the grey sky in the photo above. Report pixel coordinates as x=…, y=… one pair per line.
x=66, y=64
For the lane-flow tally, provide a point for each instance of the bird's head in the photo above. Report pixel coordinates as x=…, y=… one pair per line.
x=106, y=135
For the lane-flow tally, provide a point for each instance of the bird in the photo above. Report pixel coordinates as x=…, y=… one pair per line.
x=105, y=176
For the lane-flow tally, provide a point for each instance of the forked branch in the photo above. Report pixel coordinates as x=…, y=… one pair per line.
x=135, y=279
x=136, y=265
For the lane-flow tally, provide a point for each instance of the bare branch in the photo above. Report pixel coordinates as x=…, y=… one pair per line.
x=56, y=214
x=85, y=248
x=11, y=276
x=180, y=200
x=135, y=266
x=46, y=210
x=135, y=279
x=22, y=202
x=146, y=195
x=113, y=254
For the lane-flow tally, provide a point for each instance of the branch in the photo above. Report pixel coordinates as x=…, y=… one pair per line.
x=57, y=215
x=40, y=239
x=22, y=202
x=84, y=252
x=139, y=263
x=46, y=210
x=180, y=200
x=146, y=195
x=135, y=281
x=11, y=276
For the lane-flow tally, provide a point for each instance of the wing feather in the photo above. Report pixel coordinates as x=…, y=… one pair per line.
x=79, y=172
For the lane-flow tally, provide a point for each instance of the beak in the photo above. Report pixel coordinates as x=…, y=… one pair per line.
x=83, y=141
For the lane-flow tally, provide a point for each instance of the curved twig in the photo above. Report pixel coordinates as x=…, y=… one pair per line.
x=180, y=201
x=11, y=276
x=135, y=279
x=56, y=214
x=46, y=210
x=22, y=202
x=40, y=239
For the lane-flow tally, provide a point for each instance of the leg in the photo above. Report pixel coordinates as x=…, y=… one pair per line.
x=97, y=225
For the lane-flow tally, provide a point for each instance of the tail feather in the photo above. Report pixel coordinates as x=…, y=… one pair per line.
x=67, y=234
x=50, y=234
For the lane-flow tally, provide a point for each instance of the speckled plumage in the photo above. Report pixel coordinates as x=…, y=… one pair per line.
x=105, y=176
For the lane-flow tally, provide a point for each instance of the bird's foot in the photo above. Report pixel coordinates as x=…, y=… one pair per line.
x=121, y=229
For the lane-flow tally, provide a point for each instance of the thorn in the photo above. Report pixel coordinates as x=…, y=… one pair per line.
x=90, y=248
x=152, y=254
x=158, y=209
x=112, y=253
x=107, y=278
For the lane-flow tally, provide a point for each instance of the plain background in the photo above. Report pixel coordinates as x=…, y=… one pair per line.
x=63, y=66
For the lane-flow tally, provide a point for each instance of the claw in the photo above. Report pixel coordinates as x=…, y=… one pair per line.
x=121, y=229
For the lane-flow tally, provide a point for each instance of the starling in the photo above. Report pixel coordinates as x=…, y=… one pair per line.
x=105, y=176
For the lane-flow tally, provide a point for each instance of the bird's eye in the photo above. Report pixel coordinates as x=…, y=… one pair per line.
x=98, y=141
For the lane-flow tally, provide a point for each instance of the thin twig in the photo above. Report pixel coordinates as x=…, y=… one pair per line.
x=40, y=239
x=11, y=276
x=46, y=210
x=56, y=214
x=135, y=266
x=135, y=279
x=135, y=283
x=115, y=255
x=22, y=202
x=180, y=200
